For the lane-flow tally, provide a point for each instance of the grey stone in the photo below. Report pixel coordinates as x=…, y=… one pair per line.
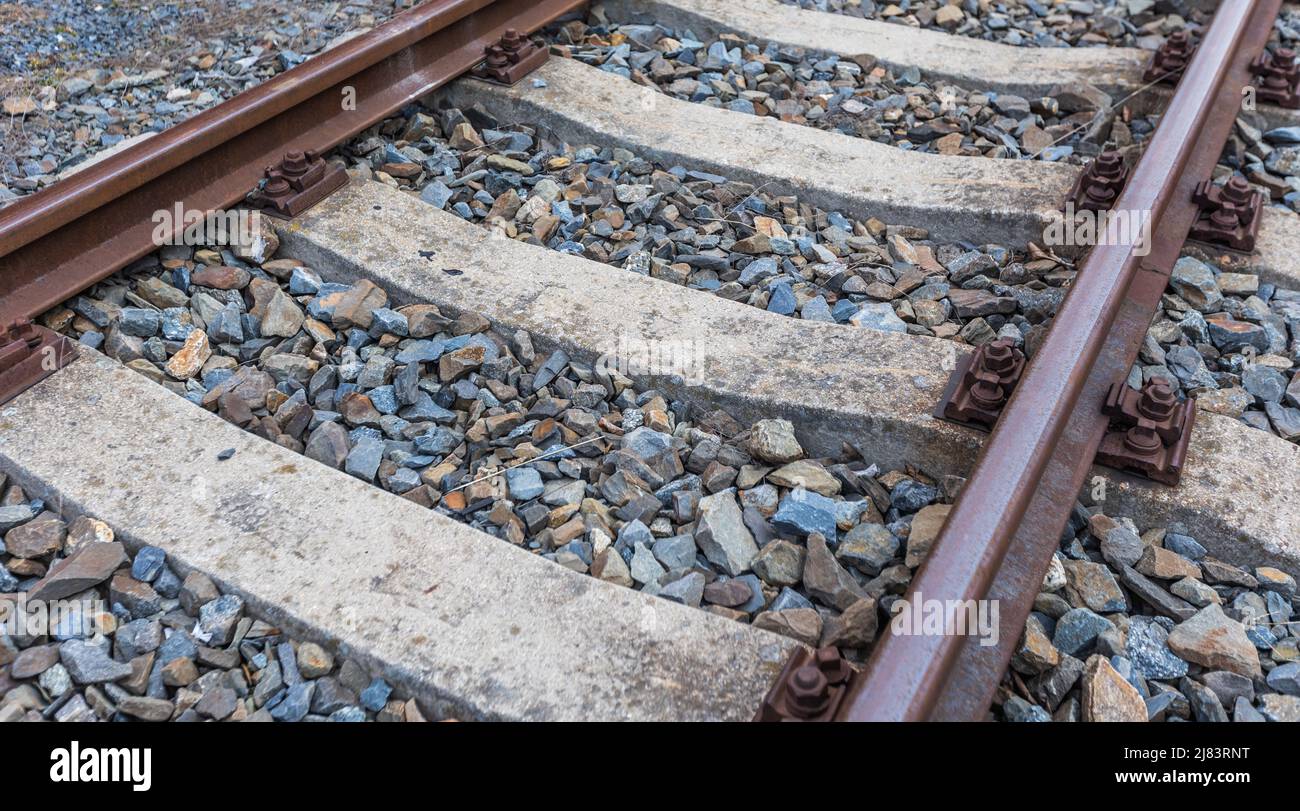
x=217, y=619
x=376, y=694
x=525, y=483
x=688, y=590
x=825, y=579
x=1146, y=647
x=1285, y=678
x=868, y=548
x=803, y=512
x=722, y=535
x=87, y=663
x=1078, y=630
x=148, y=564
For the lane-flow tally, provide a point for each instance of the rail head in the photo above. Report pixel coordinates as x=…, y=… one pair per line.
x=921, y=677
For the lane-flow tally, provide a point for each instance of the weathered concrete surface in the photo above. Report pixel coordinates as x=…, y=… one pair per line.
x=972, y=63
x=955, y=197
x=824, y=377
x=835, y=383
x=471, y=625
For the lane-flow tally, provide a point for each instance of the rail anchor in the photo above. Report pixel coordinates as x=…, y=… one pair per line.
x=809, y=688
x=1170, y=59
x=513, y=57
x=29, y=354
x=1277, y=77
x=1230, y=214
x=1149, y=431
x=298, y=182
x=981, y=385
x=1100, y=183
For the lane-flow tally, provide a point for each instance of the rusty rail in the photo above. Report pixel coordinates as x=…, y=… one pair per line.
x=999, y=538
x=61, y=240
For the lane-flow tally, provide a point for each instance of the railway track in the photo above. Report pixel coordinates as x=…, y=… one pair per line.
x=677, y=356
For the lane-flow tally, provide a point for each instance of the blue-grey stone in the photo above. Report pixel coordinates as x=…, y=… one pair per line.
x=1283, y=135
x=384, y=399
x=1016, y=710
x=436, y=194
x=675, y=552
x=789, y=598
x=14, y=515
x=1184, y=545
x=803, y=512
x=525, y=483
x=295, y=704
x=816, y=309
x=217, y=619
x=364, y=458
x=688, y=590
x=1077, y=630
x=781, y=299
x=878, y=315
x=1194, y=281
x=88, y=663
x=437, y=441
x=758, y=271
x=228, y=326
x=756, y=600
x=1147, y=648
x=390, y=321
x=1158, y=703
x=1264, y=382
x=375, y=696
x=909, y=495
x=176, y=324
x=348, y=715
x=148, y=564
x=1261, y=637
x=551, y=369
x=634, y=532
x=1285, y=678
x=424, y=408
x=139, y=321
x=304, y=282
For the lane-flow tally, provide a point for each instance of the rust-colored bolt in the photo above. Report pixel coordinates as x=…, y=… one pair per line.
x=294, y=163
x=809, y=692
x=1109, y=165
x=1142, y=441
x=276, y=186
x=999, y=356
x=1236, y=191
x=1157, y=401
x=512, y=41
x=831, y=664
x=497, y=57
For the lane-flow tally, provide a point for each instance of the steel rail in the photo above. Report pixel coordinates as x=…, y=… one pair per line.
x=62, y=239
x=1000, y=535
